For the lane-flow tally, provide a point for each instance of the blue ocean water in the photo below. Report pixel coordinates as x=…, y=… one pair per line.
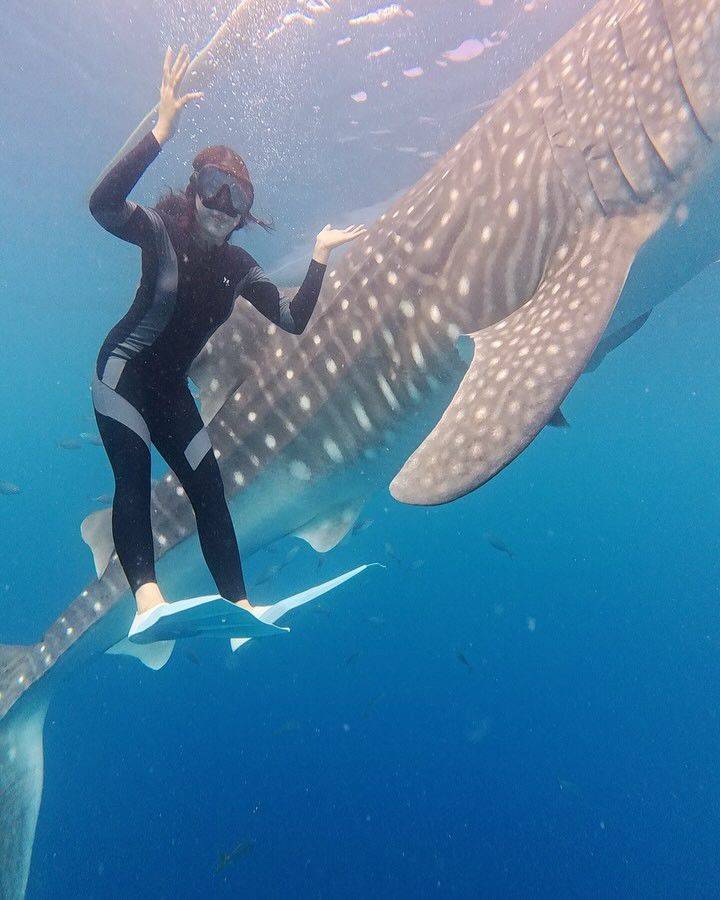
x=467, y=722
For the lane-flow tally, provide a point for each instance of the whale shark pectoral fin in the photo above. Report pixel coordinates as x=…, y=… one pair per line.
x=525, y=364
x=327, y=530
x=154, y=656
x=96, y=531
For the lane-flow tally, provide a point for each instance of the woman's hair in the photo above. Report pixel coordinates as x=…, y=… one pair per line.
x=179, y=208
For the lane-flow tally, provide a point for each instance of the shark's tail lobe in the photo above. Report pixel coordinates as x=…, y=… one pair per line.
x=21, y=773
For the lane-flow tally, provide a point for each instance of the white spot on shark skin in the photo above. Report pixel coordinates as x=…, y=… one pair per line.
x=239, y=478
x=361, y=415
x=304, y=402
x=392, y=278
x=332, y=450
x=251, y=416
x=316, y=339
x=331, y=366
x=387, y=393
x=162, y=540
x=428, y=243
x=270, y=441
x=388, y=337
x=357, y=335
x=289, y=374
x=513, y=208
x=179, y=491
x=345, y=304
x=486, y=234
x=97, y=606
x=435, y=314
x=417, y=355
x=464, y=286
x=300, y=470
x=407, y=309
x=372, y=301
x=214, y=385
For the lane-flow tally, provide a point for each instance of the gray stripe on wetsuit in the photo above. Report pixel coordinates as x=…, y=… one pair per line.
x=197, y=449
x=109, y=403
x=158, y=314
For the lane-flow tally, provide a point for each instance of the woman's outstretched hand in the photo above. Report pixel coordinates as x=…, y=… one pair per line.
x=170, y=104
x=329, y=238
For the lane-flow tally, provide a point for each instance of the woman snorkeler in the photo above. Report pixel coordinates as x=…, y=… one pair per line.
x=191, y=278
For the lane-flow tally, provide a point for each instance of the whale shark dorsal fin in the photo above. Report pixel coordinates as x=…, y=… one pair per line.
x=327, y=530
x=154, y=655
x=525, y=364
x=96, y=531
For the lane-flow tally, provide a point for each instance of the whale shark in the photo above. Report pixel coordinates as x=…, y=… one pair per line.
x=582, y=197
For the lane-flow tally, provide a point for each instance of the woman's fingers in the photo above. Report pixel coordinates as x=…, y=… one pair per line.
x=188, y=98
x=183, y=53
x=166, y=63
x=183, y=68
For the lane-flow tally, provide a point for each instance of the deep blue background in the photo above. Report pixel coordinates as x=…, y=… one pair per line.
x=413, y=735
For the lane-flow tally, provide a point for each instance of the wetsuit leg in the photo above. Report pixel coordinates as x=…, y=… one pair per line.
x=177, y=431
x=132, y=533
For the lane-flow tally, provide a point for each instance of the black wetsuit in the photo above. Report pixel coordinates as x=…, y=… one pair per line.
x=140, y=391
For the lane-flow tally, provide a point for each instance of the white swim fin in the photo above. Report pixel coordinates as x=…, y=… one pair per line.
x=272, y=613
x=210, y=616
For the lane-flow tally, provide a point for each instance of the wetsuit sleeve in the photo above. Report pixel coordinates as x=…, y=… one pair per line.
x=109, y=204
x=290, y=314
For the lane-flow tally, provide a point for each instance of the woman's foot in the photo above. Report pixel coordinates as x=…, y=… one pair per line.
x=255, y=610
x=147, y=597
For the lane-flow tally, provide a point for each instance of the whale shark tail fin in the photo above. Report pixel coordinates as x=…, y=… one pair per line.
x=525, y=364
x=21, y=781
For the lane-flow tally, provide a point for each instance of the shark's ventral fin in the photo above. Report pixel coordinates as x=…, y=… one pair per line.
x=526, y=363
x=326, y=531
x=154, y=656
x=96, y=531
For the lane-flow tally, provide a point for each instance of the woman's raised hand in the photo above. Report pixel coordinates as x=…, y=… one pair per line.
x=330, y=238
x=170, y=104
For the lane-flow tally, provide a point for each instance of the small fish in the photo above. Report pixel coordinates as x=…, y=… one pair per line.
x=291, y=554
x=290, y=727
x=376, y=620
x=69, y=444
x=498, y=544
x=417, y=564
x=9, y=488
x=104, y=498
x=361, y=525
x=269, y=574
x=478, y=731
x=464, y=660
x=352, y=658
x=193, y=657
x=569, y=787
x=240, y=851
x=91, y=438
x=370, y=705
x=321, y=610
x=390, y=551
